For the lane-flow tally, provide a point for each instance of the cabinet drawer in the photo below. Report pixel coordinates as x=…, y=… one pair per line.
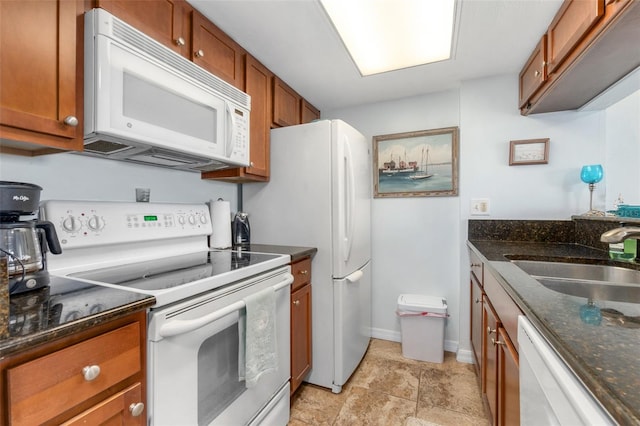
x=477, y=268
x=55, y=383
x=301, y=272
x=505, y=308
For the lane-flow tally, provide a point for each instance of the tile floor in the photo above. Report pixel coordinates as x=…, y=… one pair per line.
x=388, y=389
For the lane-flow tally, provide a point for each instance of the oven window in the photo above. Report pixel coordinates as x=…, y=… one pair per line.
x=218, y=381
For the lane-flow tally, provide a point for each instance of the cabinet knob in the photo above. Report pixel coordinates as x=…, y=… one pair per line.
x=536, y=73
x=180, y=41
x=304, y=272
x=199, y=53
x=296, y=302
x=477, y=300
x=251, y=164
x=136, y=409
x=490, y=330
x=90, y=372
x=70, y=120
x=496, y=342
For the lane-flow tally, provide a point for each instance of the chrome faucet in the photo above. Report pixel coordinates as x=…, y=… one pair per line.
x=618, y=235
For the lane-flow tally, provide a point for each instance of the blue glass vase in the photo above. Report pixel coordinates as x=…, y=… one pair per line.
x=592, y=174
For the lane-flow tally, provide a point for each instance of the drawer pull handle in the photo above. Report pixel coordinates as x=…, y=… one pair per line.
x=91, y=372
x=490, y=331
x=304, y=272
x=496, y=342
x=476, y=265
x=70, y=120
x=296, y=302
x=136, y=409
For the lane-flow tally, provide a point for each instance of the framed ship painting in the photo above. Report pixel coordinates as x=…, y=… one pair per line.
x=416, y=164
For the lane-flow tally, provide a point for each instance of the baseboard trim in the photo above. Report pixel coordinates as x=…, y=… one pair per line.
x=462, y=355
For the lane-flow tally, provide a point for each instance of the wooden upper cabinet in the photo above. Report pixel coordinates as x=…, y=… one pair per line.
x=216, y=52
x=41, y=96
x=286, y=104
x=308, y=112
x=166, y=21
x=570, y=25
x=534, y=73
x=258, y=86
x=591, y=45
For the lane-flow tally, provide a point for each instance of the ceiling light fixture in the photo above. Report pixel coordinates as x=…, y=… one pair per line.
x=386, y=35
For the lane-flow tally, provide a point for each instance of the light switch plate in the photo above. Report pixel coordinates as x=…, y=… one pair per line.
x=480, y=207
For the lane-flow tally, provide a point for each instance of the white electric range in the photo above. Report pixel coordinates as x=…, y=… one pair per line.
x=195, y=327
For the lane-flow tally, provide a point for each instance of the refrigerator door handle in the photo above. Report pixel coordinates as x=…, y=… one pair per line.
x=354, y=277
x=350, y=201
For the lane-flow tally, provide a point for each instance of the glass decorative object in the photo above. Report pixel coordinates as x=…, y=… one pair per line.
x=592, y=174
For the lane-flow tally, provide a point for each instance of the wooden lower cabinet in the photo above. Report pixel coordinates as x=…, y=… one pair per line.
x=96, y=376
x=477, y=303
x=301, y=349
x=493, y=340
x=508, y=381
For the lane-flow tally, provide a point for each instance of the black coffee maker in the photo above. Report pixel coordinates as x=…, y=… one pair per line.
x=24, y=242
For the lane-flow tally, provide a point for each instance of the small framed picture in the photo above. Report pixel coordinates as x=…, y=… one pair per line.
x=529, y=151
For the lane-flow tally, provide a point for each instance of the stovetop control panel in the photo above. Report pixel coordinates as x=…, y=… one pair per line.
x=89, y=223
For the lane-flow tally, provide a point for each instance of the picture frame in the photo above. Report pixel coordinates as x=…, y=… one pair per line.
x=421, y=163
x=528, y=151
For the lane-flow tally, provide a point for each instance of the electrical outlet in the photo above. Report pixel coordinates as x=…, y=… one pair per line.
x=480, y=207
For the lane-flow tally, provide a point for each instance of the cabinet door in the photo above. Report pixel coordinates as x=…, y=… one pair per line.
x=123, y=408
x=490, y=378
x=476, y=323
x=38, y=102
x=166, y=21
x=508, y=381
x=572, y=22
x=534, y=73
x=300, y=335
x=258, y=86
x=308, y=112
x=286, y=104
x=216, y=52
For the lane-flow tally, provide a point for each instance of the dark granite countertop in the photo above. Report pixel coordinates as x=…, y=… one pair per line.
x=296, y=253
x=606, y=357
x=65, y=307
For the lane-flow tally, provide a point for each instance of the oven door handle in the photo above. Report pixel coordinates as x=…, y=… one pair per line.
x=176, y=327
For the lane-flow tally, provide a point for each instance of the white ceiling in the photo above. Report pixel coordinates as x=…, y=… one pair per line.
x=295, y=40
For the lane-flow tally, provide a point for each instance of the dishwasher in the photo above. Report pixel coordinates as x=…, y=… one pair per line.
x=550, y=393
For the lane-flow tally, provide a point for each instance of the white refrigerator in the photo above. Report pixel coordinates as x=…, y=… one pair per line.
x=319, y=195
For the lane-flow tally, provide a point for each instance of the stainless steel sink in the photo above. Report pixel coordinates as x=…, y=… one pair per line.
x=597, y=282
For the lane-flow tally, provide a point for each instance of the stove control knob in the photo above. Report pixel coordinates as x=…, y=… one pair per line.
x=192, y=219
x=181, y=220
x=71, y=224
x=95, y=223
x=203, y=219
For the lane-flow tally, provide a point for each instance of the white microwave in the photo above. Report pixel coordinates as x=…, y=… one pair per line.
x=146, y=104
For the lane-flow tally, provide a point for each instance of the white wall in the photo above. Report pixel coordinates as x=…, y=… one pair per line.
x=415, y=240
x=419, y=244
x=623, y=150
x=74, y=177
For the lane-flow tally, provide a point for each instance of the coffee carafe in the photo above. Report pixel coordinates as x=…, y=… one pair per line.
x=24, y=242
x=241, y=230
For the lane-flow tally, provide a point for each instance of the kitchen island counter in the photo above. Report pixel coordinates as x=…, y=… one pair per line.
x=64, y=308
x=605, y=356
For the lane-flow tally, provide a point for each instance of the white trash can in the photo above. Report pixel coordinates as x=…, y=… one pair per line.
x=422, y=325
